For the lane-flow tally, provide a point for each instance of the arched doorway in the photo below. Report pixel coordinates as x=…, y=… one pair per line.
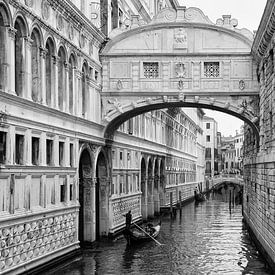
x=101, y=197
x=143, y=189
x=86, y=228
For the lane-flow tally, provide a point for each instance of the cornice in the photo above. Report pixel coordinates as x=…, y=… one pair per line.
x=142, y=10
x=73, y=13
x=265, y=31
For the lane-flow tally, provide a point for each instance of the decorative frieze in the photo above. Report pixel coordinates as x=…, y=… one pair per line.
x=26, y=241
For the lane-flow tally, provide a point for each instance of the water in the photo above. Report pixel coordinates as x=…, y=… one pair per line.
x=203, y=239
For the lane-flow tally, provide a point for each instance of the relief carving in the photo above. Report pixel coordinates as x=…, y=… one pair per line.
x=180, y=39
x=180, y=70
x=45, y=7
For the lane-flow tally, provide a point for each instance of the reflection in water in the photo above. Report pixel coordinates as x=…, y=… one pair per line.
x=204, y=238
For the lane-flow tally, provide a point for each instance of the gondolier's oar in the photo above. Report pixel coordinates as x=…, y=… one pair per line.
x=147, y=233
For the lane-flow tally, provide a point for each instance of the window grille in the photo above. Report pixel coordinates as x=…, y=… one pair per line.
x=211, y=69
x=151, y=69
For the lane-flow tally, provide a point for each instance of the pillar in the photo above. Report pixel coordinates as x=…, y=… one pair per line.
x=55, y=80
x=66, y=96
x=43, y=53
x=150, y=197
x=27, y=86
x=11, y=60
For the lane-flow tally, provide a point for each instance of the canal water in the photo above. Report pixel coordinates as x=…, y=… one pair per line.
x=204, y=238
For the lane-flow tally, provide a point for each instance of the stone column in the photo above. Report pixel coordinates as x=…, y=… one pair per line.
x=150, y=197
x=144, y=200
x=43, y=53
x=56, y=151
x=55, y=78
x=10, y=145
x=28, y=147
x=165, y=76
x=42, y=150
x=27, y=87
x=156, y=194
x=66, y=96
x=67, y=152
x=135, y=75
x=11, y=60
x=94, y=182
x=74, y=91
x=79, y=94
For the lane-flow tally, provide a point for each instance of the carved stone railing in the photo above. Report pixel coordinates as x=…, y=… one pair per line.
x=120, y=206
x=27, y=240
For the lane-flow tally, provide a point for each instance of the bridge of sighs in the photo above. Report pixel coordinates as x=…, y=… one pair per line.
x=180, y=59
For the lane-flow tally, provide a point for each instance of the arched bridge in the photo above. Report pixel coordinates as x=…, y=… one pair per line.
x=180, y=59
x=226, y=179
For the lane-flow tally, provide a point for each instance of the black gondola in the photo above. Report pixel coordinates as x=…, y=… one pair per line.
x=199, y=197
x=140, y=235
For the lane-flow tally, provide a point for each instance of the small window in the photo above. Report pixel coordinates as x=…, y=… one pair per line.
x=71, y=154
x=19, y=149
x=35, y=151
x=207, y=138
x=61, y=153
x=71, y=192
x=3, y=142
x=96, y=76
x=49, y=151
x=62, y=193
x=151, y=69
x=207, y=125
x=121, y=155
x=211, y=69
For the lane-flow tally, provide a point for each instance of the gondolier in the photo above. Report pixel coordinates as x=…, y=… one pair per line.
x=128, y=222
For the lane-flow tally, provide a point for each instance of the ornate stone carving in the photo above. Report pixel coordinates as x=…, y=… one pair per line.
x=180, y=70
x=115, y=105
x=241, y=85
x=29, y=3
x=95, y=14
x=45, y=8
x=59, y=22
x=119, y=85
x=180, y=84
x=180, y=39
x=82, y=40
x=71, y=31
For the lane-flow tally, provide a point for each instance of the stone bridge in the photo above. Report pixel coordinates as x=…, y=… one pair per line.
x=180, y=59
x=226, y=179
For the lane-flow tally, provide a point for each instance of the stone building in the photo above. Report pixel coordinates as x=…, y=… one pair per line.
x=259, y=157
x=61, y=184
x=211, y=146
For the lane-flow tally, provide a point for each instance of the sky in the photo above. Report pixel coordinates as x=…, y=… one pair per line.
x=249, y=14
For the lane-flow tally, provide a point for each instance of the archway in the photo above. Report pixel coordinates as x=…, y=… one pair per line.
x=101, y=197
x=86, y=219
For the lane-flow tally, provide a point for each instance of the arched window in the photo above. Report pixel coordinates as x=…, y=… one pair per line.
x=84, y=89
x=49, y=72
x=61, y=78
x=3, y=50
x=72, y=65
x=36, y=66
x=19, y=56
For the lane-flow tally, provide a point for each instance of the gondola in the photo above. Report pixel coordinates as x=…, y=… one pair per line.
x=199, y=197
x=137, y=235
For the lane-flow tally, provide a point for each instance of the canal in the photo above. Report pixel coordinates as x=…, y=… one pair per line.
x=204, y=238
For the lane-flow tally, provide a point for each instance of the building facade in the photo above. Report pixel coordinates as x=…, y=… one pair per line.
x=211, y=146
x=61, y=184
x=259, y=170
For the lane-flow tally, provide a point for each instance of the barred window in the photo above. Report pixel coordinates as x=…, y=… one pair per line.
x=211, y=69
x=151, y=69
